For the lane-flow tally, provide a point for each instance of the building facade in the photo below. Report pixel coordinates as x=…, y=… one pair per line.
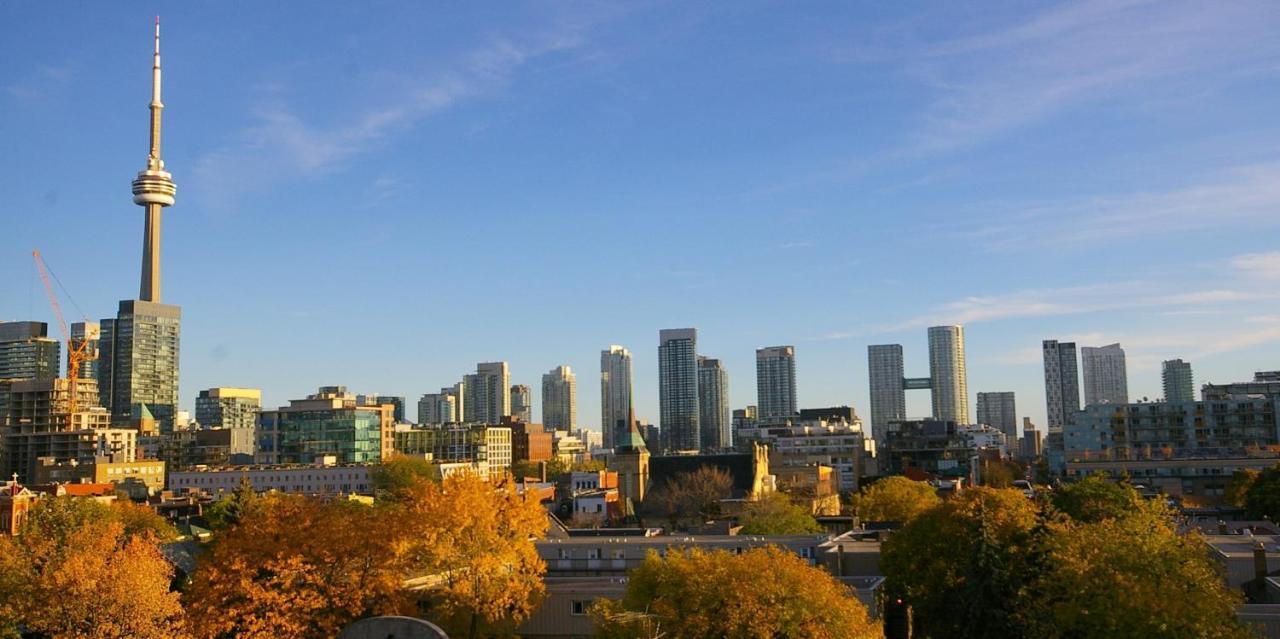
x=439, y=408
x=488, y=447
x=26, y=353
x=999, y=411
x=678, y=389
x=1105, y=378
x=715, y=416
x=947, y=374
x=142, y=349
x=488, y=394
x=522, y=403
x=88, y=334
x=615, y=394
x=838, y=444
x=888, y=393
x=329, y=423
x=1061, y=383
x=776, y=382
x=227, y=407
x=314, y=479
x=1177, y=380
x=560, y=399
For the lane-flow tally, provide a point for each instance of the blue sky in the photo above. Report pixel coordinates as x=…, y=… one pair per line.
x=383, y=194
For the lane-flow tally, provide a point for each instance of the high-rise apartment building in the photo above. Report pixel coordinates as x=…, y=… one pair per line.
x=144, y=345
x=999, y=411
x=947, y=374
x=678, y=388
x=488, y=394
x=328, y=423
x=1179, y=384
x=226, y=407
x=776, y=382
x=26, y=353
x=439, y=408
x=888, y=392
x=560, y=399
x=715, y=416
x=522, y=403
x=1061, y=383
x=615, y=394
x=1105, y=379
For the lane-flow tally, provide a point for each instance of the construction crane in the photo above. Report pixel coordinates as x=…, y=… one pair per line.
x=76, y=353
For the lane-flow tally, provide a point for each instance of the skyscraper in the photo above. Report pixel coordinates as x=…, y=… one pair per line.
x=26, y=353
x=228, y=407
x=714, y=413
x=488, y=393
x=522, y=403
x=560, y=399
x=1179, y=384
x=82, y=332
x=999, y=411
x=888, y=393
x=776, y=382
x=439, y=408
x=678, y=388
x=1061, y=383
x=139, y=356
x=1105, y=380
x=615, y=394
x=947, y=374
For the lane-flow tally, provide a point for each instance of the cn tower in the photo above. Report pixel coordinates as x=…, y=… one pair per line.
x=153, y=189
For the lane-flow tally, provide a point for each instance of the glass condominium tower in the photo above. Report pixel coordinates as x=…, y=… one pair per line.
x=615, y=394
x=678, y=388
x=947, y=374
x=1178, y=382
x=1105, y=379
x=1061, y=383
x=888, y=392
x=715, y=416
x=776, y=382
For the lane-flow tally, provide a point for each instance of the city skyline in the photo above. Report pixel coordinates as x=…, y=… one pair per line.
x=1220, y=315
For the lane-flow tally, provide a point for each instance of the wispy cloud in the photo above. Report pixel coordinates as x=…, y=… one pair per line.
x=1243, y=195
x=1077, y=53
x=39, y=82
x=1264, y=265
x=283, y=144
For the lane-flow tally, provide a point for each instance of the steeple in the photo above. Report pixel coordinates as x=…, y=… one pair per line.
x=153, y=189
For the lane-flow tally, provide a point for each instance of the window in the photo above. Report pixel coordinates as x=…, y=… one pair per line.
x=578, y=609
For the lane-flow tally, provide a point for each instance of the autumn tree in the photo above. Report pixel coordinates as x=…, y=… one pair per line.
x=961, y=565
x=469, y=541
x=695, y=495
x=762, y=593
x=296, y=567
x=1132, y=576
x=1238, y=489
x=1262, y=498
x=1096, y=498
x=775, y=514
x=81, y=569
x=895, y=499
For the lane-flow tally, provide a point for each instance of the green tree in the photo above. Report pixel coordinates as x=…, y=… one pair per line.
x=1096, y=498
x=776, y=514
x=400, y=472
x=961, y=565
x=1132, y=576
x=228, y=511
x=895, y=499
x=1238, y=489
x=1262, y=499
x=762, y=593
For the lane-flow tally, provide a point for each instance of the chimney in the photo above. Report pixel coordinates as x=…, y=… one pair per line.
x=1259, y=560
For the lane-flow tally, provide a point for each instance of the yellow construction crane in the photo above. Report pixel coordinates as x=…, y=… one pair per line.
x=76, y=353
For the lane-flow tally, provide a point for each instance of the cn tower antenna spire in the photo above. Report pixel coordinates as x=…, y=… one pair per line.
x=153, y=189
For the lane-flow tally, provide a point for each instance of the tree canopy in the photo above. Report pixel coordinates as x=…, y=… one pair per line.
x=1262, y=498
x=1096, y=498
x=82, y=569
x=761, y=593
x=776, y=514
x=895, y=499
x=400, y=472
x=693, y=496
